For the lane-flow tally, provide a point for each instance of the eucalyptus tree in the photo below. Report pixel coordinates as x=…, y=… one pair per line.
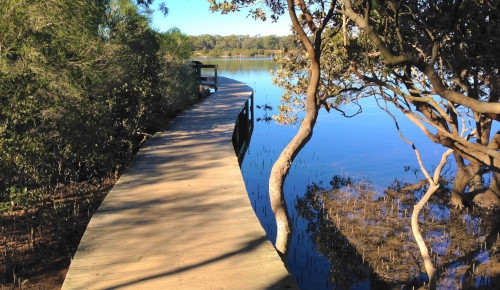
x=438, y=64
x=435, y=62
x=314, y=23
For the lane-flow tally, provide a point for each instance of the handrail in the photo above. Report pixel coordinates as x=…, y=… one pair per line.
x=243, y=129
x=206, y=80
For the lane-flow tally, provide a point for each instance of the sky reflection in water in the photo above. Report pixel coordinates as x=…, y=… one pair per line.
x=365, y=147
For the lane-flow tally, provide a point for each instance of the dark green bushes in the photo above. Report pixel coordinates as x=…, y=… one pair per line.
x=82, y=83
x=79, y=88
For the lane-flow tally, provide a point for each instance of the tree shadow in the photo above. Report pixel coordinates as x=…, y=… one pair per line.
x=180, y=211
x=248, y=247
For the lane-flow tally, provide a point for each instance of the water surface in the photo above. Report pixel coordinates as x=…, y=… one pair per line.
x=365, y=147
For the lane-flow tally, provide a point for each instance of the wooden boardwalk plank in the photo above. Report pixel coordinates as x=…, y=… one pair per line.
x=180, y=217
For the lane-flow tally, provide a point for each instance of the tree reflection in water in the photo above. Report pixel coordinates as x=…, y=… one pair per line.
x=367, y=237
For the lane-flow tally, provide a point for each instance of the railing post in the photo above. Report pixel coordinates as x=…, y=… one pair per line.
x=252, y=113
x=198, y=71
x=216, y=67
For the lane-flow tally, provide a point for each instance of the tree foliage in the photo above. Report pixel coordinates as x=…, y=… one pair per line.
x=435, y=62
x=80, y=84
x=175, y=45
x=335, y=89
x=438, y=65
x=47, y=61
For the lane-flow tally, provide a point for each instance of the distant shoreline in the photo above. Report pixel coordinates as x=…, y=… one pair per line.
x=201, y=57
x=267, y=54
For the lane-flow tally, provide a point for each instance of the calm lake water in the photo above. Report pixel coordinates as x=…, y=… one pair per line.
x=365, y=147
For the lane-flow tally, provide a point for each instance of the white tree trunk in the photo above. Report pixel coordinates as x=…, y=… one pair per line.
x=278, y=175
x=433, y=186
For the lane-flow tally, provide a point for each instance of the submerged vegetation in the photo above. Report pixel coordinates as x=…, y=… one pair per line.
x=367, y=236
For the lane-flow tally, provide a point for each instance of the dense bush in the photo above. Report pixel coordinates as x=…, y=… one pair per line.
x=82, y=83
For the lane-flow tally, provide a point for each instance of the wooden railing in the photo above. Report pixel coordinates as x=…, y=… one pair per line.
x=243, y=129
x=207, y=74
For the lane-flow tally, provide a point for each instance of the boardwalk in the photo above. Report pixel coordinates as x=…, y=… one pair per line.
x=179, y=217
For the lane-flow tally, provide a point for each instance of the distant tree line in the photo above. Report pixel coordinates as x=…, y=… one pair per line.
x=234, y=45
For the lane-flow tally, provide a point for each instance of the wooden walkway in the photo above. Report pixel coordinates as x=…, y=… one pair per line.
x=180, y=217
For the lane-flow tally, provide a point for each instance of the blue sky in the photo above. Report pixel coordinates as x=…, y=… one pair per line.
x=193, y=17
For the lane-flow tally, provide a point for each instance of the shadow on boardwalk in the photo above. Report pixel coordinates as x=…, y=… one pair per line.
x=248, y=248
x=180, y=217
